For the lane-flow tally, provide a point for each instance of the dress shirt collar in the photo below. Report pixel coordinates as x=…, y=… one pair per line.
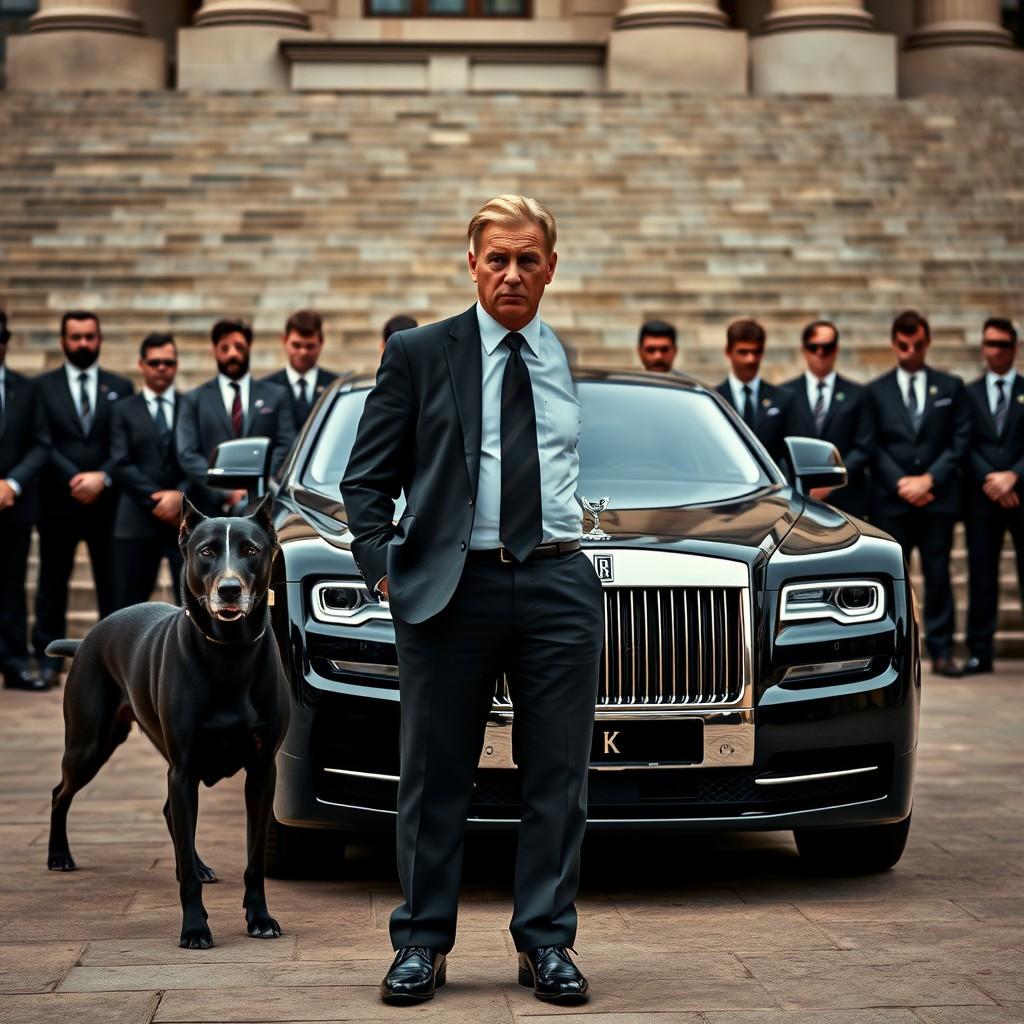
x=1010, y=376
x=905, y=378
x=309, y=377
x=829, y=380
x=492, y=334
x=226, y=382
x=737, y=386
x=73, y=372
x=152, y=396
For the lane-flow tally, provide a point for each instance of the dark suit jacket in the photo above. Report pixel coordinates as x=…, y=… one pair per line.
x=142, y=465
x=24, y=445
x=939, y=446
x=850, y=426
x=990, y=451
x=771, y=425
x=323, y=378
x=203, y=423
x=419, y=433
x=71, y=450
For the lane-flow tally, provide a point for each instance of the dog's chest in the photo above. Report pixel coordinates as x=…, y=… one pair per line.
x=230, y=740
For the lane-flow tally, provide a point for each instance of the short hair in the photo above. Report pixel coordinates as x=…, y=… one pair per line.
x=5, y=335
x=512, y=210
x=745, y=329
x=306, y=322
x=808, y=331
x=399, y=322
x=222, y=328
x=155, y=341
x=1000, y=323
x=78, y=314
x=910, y=322
x=657, y=329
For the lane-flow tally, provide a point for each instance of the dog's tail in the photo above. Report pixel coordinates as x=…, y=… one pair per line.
x=63, y=648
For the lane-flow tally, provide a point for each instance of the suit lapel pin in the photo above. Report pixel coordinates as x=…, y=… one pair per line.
x=258, y=403
x=1020, y=398
x=111, y=395
x=840, y=396
x=933, y=390
x=766, y=402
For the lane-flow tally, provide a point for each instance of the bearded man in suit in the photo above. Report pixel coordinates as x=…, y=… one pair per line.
x=476, y=420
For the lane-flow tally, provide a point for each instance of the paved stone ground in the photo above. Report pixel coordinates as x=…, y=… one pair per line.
x=721, y=930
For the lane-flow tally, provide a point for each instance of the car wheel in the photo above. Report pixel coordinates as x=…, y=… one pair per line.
x=303, y=852
x=852, y=851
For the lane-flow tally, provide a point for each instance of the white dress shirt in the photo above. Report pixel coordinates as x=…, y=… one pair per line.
x=826, y=393
x=309, y=377
x=993, y=392
x=227, y=393
x=736, y=386
x=92, y=384
x=168, y=399
x=920, y=379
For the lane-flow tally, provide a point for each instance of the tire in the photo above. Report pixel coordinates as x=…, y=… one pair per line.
x=861, y=850
x=303, y=852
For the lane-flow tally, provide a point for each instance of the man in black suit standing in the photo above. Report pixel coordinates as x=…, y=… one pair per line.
x=24, y=440
x=303, y=342
x=835, y=409
x=230, y=405
x=656, y=346
x=146, y=469
x=764, y=407
x=995, y=472
x=476, y=420
x=922, y=433
x=77, y=486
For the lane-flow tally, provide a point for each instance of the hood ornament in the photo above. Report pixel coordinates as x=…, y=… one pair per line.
x=595, y=508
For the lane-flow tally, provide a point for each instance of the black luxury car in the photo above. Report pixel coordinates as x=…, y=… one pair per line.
x=761, y=666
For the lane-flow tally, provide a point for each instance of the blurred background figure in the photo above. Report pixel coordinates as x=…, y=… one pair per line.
x=656, y=346
x=304, y=379
x=399, y=322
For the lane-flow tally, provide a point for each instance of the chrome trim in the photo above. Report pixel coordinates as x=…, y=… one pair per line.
x=362, y=775
x=640, y=568
x=783, y=780
x=365, y=668
x=374, y=610
x=819, y=670
x=824, y=610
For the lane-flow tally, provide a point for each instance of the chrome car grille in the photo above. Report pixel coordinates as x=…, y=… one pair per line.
x=669, y=646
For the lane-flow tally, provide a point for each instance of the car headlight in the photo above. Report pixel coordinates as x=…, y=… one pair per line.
x=844, y=601
x=346, y=601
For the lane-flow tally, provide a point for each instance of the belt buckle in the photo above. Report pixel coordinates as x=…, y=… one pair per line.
x=504, y=557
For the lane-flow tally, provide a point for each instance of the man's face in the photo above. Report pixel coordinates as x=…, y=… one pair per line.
x=657, y=353
x=745, y=360
x=232, y=355
x=303, y=350
x=81, y=342
x=158, y=368
x=821, y=351
x=998, y=349
x=511, y=267
x=911, y=350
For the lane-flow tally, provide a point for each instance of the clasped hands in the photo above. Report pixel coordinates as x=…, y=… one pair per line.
x=916, y=490
x=999, y=487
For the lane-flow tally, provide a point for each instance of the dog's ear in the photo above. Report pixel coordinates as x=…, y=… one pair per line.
x=191, y=517
x=264, y=513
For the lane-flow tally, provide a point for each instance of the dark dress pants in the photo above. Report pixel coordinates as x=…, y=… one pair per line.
x=541, y=623
x=138, y=562
x=987, y=525
x=932, y=534
x=14, y=545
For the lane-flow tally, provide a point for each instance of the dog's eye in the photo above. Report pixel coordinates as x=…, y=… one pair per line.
x=251, y=551
x=206, y=552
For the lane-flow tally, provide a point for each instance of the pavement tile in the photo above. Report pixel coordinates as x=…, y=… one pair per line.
x=36, y=966
x=883, y=910
x=969, y=1014
x=1008, y=909
x=873, y=1016
x=115, y=953
x=1003, y=987
x=80, y=1008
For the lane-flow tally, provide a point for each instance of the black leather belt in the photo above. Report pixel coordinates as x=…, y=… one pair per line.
x=566, y=547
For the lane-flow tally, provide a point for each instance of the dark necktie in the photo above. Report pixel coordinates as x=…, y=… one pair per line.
x=84, y=405
x=912, y=408
x=819, y=408
x=236, y=410
x=1002, y=407
x=520, y=528
x=748, y=406
x=301, y=403
x=163, y=428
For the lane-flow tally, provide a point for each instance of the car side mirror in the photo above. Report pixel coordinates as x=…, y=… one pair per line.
x=815, y=463
x=242, y=464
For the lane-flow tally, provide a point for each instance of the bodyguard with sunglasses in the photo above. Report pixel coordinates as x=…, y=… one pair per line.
x=923, y=430
x=145, y=466
x=835, y=409
x=995, y=481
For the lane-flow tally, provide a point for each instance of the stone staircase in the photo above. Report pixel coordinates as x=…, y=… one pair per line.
x=168, y=210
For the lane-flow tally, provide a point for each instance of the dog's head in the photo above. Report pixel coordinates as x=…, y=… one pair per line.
x=227, y=560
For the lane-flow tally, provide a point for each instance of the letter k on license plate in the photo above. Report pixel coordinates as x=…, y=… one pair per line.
x=632, y=741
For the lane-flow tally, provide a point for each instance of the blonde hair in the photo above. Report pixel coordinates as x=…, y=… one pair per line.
x=512, y=211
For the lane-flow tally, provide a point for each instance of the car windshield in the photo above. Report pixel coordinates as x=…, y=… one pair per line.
x=664, y=447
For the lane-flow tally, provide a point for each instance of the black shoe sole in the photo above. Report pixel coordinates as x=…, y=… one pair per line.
x=558, y=998
x=408, y=999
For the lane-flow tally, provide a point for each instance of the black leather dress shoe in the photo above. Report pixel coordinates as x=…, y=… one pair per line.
x=24, y=679
x=947, y=667
x=552, y=976
x=977, y=666
x=415, y=973
x=50, y=678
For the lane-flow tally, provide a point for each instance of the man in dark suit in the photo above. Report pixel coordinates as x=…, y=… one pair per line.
x=24, y=440
x=77, y=487
x=146, y=469
x=475, y=418
x=995, y=483
x=656, y=346
x=230, y=405
x=303, y=378
x=835, y=409
x=922, y=432
x=764, y=407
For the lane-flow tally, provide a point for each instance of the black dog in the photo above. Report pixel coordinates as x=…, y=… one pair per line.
x=206, y=685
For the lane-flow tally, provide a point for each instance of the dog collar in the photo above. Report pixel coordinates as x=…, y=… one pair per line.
x=224, y=643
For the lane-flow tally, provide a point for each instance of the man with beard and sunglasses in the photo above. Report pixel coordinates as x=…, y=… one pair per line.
x=835, y=409
x=995, y=471
x=923, y=430
x=77, y=493
x=229, y=406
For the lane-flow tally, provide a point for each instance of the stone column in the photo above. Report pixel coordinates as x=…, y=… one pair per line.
x=826, y=47
x=85, y=44
x=676, y=46
x=235, y=45
x=960, y=46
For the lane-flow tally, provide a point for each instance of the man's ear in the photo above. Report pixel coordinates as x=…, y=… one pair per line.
x=264, y=513
x=191, y=517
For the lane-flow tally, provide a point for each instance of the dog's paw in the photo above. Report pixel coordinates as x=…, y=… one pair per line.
x=196, y=938
x=263, y=926
x=206, y=874
x=60, y=862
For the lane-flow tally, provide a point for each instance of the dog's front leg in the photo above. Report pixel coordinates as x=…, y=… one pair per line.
x=183, y=795
x=259, y=801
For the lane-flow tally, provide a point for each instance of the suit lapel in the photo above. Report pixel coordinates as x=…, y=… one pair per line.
x=216, y=401
x=978, y=391
x=799, y=391
x=465, y=368
x=900, y=401
x=69, y=401
x=726, y=392
x=929, y=398
x=1016, y=404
